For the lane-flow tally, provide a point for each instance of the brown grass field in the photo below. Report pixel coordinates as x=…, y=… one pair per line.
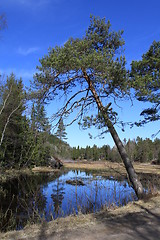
x=112, y=167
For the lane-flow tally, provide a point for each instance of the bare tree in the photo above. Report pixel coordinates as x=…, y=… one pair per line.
x=7, y=100
x=8, y=119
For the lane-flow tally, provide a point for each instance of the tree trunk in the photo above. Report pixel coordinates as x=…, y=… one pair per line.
x=7, y=122
x=136, y=184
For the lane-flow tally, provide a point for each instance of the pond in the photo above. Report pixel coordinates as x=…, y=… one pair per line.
x=31, y=199
x=96, y=192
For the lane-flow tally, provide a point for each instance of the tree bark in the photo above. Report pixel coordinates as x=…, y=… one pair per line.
x=136, y=184
x=7, y=121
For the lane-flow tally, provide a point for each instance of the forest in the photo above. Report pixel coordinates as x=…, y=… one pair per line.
x=25, y=130
x=139, y=150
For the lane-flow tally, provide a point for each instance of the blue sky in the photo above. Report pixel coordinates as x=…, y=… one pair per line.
x=36, y=25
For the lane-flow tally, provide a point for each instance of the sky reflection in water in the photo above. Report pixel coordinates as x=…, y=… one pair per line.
x=63, y=199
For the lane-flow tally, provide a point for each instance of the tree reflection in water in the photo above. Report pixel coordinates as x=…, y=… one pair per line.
x=33, y=199
x=57, y=196
x=22, y=201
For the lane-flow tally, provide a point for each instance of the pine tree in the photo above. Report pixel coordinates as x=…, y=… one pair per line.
x=145, y=79
x=61, y=134
x=40, y=130
x=89, y=71
x=61, y=131
x=12, y=121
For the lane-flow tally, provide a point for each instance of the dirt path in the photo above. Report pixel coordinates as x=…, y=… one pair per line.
x=136, y=221
x=135, y=226
x=129, y=227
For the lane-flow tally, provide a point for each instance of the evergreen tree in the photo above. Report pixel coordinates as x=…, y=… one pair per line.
x=88, y=153
x=61, y=135
x=156, y=148
x=74, y=153
x=95, y=153
x=39, y=121
x=144, y=150
x=145, y=76
x=61, y=131
x=95, y=64
x=12, y=121
x=23, y=142
x=40, y=130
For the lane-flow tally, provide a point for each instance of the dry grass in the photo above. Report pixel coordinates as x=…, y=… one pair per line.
x=44, y=170
x=113, y=167
x=75, y=222
x=13, y=173
x=85, y=221
x=10, y=174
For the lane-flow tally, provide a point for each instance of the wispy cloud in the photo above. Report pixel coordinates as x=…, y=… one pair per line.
x=28, y=3
x=32, y=2
x=27, y=51
x=25, y=74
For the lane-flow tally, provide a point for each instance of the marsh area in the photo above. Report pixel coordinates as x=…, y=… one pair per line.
x=39, y=197
x=29, y=199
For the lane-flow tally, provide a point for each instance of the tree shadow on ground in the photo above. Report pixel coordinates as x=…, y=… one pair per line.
x=45, y=233
x=42, y=234
x=137, y=225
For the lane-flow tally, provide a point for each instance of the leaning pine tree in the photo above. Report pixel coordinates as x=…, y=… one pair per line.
x=89, y=72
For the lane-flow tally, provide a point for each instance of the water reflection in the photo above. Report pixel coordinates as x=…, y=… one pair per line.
x=29, y=199
x=64, y=199
x=22, y=200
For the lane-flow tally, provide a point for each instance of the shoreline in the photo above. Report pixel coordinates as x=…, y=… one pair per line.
x=71, y=222
x=58, y=227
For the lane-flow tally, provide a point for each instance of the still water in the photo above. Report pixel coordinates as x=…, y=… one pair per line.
x=31, y=199
x=64, y=199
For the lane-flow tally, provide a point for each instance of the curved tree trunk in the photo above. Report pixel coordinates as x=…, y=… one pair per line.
x=137, y=186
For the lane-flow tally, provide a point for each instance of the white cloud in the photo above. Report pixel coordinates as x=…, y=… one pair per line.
x=33, y=2
x=25, y=74
x=27, y=3
x=27, y=51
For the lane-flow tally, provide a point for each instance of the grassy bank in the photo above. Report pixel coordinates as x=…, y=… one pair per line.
x=113, y=168
x=106, y=168
x=6, y=175
x=59, y=226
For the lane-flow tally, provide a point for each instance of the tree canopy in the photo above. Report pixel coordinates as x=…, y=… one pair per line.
x=145, y=75
x=99, y=54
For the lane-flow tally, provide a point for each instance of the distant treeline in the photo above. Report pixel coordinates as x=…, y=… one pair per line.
x=138, y=150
